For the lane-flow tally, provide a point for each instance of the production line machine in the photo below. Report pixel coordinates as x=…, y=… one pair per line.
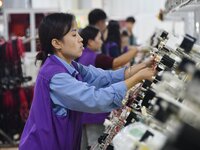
x=161, y=114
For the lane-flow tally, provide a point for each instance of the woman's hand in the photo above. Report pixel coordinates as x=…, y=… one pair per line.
x=146, y=74
x=144, y=49
x=143, y=74
x=150, y=62
x=135, y=48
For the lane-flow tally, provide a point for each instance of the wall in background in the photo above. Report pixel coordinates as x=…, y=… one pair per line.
x=145, y=12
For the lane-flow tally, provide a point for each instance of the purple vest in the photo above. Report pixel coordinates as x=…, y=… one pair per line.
x=44, y=130
x=88, y=58
x=125, y=49
x=108, y=46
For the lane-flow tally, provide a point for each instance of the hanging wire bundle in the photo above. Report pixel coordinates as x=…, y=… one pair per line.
x=15, y=94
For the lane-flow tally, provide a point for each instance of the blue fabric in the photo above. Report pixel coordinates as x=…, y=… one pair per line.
x=87, y=96
x=87, y=58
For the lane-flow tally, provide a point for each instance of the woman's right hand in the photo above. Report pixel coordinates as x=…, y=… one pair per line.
x=146, y=74
x=143, y=74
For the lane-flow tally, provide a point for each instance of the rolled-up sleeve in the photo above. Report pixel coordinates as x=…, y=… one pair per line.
x=72, y=94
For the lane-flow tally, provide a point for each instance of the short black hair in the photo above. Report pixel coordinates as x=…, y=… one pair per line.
x=96, y=15
x=130, y=19
x=88, y=33
x=124, y=33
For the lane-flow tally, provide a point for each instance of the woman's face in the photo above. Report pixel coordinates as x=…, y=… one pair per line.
x=72, y=45
x=124, y=41
x=98, y=42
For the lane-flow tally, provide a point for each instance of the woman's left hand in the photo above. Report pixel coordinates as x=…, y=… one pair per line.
x=150, y=62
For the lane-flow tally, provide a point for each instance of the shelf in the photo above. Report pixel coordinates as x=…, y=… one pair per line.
x=32, y=12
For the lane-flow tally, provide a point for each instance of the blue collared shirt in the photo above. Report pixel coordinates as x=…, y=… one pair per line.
x=100, y=90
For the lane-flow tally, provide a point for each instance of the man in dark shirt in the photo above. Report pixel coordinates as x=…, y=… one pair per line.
x=130, y=22
x=97, y=17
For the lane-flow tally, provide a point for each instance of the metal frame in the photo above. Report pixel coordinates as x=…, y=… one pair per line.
x=32, y=13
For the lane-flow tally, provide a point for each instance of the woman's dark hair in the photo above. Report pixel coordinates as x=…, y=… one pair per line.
x=124, y=33
x=96, y=15
x=55, y=25
x=88, y=33
x=113, y=32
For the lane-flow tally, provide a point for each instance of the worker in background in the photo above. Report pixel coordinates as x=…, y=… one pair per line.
x=112, y=44
x=97, y=17
x=124, y=38
x=130, y=22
